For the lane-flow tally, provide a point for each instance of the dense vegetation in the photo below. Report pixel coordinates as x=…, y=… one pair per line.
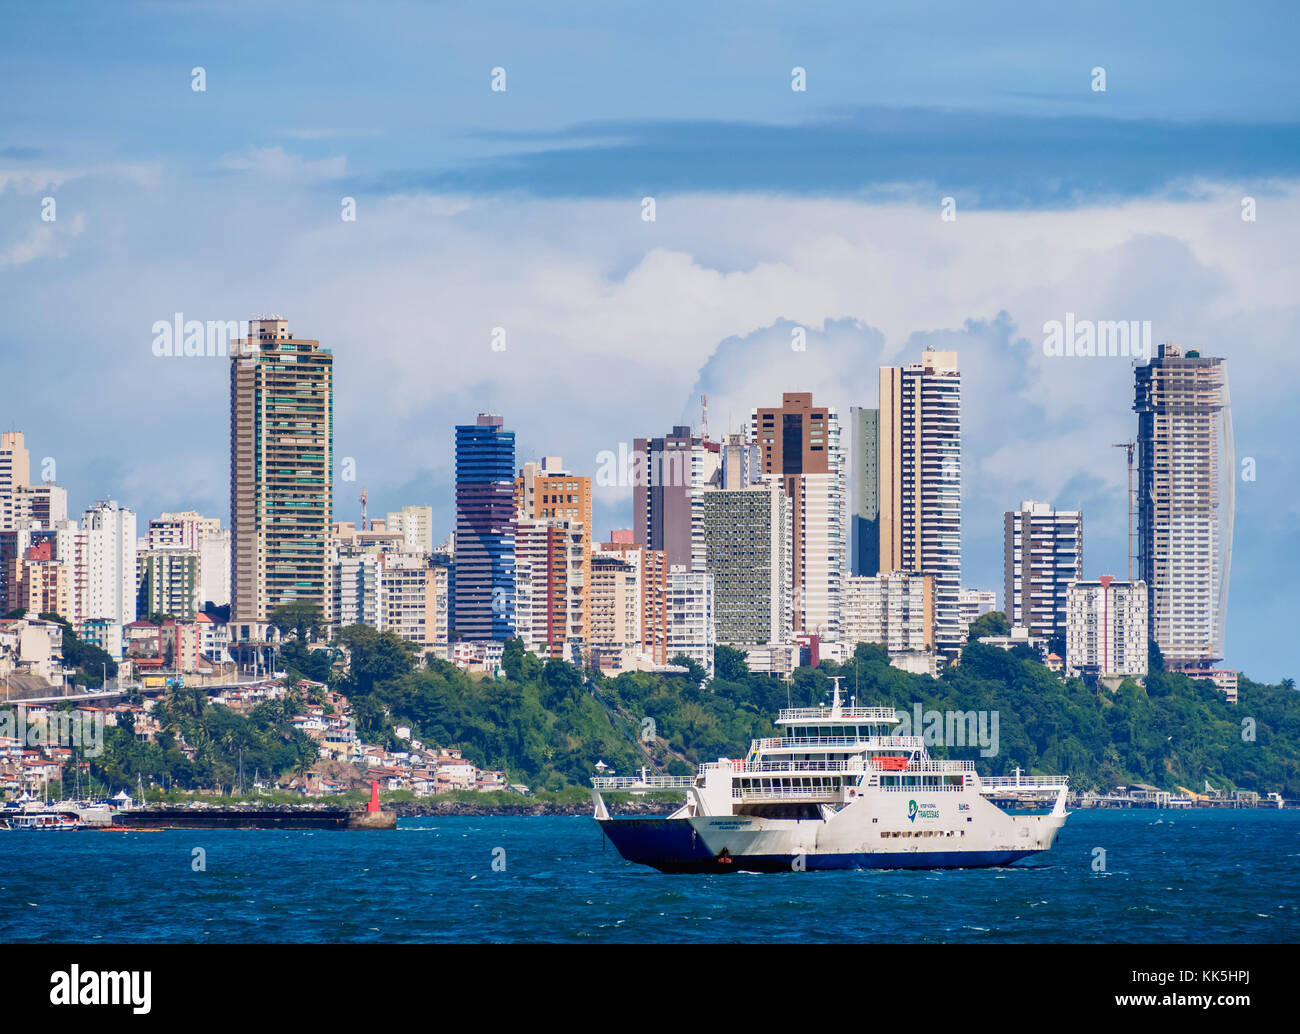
x=547, y=723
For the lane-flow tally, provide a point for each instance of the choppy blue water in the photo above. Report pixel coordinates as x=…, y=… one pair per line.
x=1169, y=876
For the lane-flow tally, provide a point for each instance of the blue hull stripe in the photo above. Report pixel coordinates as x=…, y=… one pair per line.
x=671, y=846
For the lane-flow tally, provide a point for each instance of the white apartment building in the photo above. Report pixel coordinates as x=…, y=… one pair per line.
x=972, y=604
x=1106, y=628
x=1042, y=556
x=110, y=561
x=822, y=528
x=895, y=609
x=357, y=589
x=690, y=616
x=415, y=524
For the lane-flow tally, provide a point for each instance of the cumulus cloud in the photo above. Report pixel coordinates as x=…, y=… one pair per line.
x=615, y=327
x=277, y=163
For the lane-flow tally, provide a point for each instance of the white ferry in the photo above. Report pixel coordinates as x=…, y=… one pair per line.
x=837, y=791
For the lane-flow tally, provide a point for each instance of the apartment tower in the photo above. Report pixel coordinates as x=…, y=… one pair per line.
x=1042, y=555
x=919, y=494
x=281, y=472
x=799, y=447
x=1185, y=498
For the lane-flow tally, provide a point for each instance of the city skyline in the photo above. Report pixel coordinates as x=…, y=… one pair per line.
x=524, y=210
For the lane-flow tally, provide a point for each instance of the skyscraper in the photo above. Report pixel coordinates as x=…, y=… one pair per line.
x=669, y=480
x=484, y=608
x=1042, y=555
x=864, y=508
x=799, y=446
x=919, y=482
x=110, y=559
x=748, y=536
x=1185, y=497
x=549, y=491
x=281, y=472
x=1106, y=628
x=15, y=474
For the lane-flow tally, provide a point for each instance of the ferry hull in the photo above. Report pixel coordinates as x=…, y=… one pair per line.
x=673, y=846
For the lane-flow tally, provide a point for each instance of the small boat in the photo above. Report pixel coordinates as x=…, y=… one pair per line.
x=53, y=821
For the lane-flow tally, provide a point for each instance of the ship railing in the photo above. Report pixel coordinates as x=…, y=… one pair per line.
x=655, y=782
x=803, y=766
x=830, y=793
x=827, y=713
x=861, y=742
x=1022, y=782
x=931, y=765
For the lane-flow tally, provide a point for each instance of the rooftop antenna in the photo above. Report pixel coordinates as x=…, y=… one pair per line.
x=364, y=499
x=704, y=417
x=1128, y=448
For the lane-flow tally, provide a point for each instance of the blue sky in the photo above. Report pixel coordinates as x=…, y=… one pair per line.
x=521, y=209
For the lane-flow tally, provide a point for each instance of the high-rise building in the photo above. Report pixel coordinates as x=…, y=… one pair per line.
x=741, y=463
x=413, y=597
x=68, y=544
x=189, y=529
x=799, y=446
x=281, y=472
x=919, y=463
x=654, y=591
x=1042, y=556
x=749, y=552
x=45, y=583
x=549, y=491
x=550, y=560
x=894, y=609
x=167, y=582
x=690, y=616
x=15, y=475
x=1185, y=499
x=670, y=477
x=864, y=478
x=1106, y=628
x=484, y=609
x=110, y=561
x=415, y=523
x=46, y=503
x=616, y=608
x=972, y=604
x=356, y=588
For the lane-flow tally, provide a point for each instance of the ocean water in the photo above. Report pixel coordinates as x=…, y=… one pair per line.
x=1174, y=876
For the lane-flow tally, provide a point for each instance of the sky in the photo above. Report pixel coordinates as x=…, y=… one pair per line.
x=775, y=208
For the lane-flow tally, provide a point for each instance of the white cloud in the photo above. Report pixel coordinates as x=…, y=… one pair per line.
x=615, y=327
x=277, y=163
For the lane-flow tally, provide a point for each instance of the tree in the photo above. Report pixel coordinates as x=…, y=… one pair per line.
x=993, y=623
x=729, y=664
x=1155, y=658
x=376, y=657
x=301, y=616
